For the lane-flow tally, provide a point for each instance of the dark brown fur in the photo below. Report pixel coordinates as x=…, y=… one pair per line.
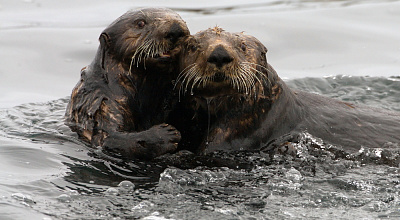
x=214, y=113
x=122, y=98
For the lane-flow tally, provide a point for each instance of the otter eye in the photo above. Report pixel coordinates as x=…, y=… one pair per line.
x=243, y=46
x=193, y=48
x=141, y=24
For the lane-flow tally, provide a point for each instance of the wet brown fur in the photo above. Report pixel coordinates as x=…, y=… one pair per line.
x=121, y=100
x=222, y=116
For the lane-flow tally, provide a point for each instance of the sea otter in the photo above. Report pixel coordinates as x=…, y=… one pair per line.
x=232, y=99
x=122, y=97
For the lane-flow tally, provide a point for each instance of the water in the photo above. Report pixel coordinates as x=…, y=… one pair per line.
x=47, y=173
x=50, y=174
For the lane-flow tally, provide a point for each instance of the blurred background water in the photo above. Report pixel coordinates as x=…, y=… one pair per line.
x=346, y=49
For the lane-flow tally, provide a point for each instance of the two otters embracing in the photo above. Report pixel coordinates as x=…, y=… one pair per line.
x=154, y=89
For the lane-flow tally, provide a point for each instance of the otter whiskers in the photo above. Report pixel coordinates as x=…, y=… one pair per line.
x=149, y=49
x=243, y=78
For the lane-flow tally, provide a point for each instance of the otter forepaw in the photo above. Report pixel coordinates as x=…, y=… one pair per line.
x=163, y=138
x=148, y=144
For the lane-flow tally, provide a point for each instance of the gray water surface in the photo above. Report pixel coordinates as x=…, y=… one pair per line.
x=45, y=43
x=47, y=172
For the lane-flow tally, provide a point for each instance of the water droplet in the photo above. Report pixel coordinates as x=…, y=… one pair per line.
x=64, y=198
x=73, y=192
x=143, y=207
x=126, y=186
x=209, y=118
x=294, y=175
x=18, y=196
x=112, y=191
x=24, y=198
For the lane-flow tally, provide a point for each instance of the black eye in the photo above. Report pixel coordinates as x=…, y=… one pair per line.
x=141, y=24
x=193, y=48
x=243, y=46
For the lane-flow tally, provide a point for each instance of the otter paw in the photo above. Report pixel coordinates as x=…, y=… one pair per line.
x=162, y=139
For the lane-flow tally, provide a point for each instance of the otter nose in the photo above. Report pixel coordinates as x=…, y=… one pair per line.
x=219, y=57
x=175, y=32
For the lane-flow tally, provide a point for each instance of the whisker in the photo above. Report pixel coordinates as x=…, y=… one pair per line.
x=243, y=83
x=134, y=56
x=149, y=48
x=130, y=66
x=263, y=76
x=250, y=75
x=243, y=78
x=144, y=52
x=188, y=76
x=192, y=74
x=183, y=73
x=197, y=79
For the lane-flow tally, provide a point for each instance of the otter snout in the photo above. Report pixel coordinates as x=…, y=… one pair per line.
x=175, y=32
x=220, y=57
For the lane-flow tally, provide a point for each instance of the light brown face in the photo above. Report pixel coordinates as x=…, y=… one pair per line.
x=218, y=63
x=149, y=35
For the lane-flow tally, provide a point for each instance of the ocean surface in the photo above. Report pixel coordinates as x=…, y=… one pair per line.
x=345, y=49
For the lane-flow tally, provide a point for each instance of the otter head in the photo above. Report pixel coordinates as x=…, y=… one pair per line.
x=216, y=64
x=143, y=38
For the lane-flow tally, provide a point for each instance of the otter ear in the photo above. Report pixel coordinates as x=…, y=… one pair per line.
x=260, y=45
x=104, y=45
x=263, y=53
x=265, y=50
